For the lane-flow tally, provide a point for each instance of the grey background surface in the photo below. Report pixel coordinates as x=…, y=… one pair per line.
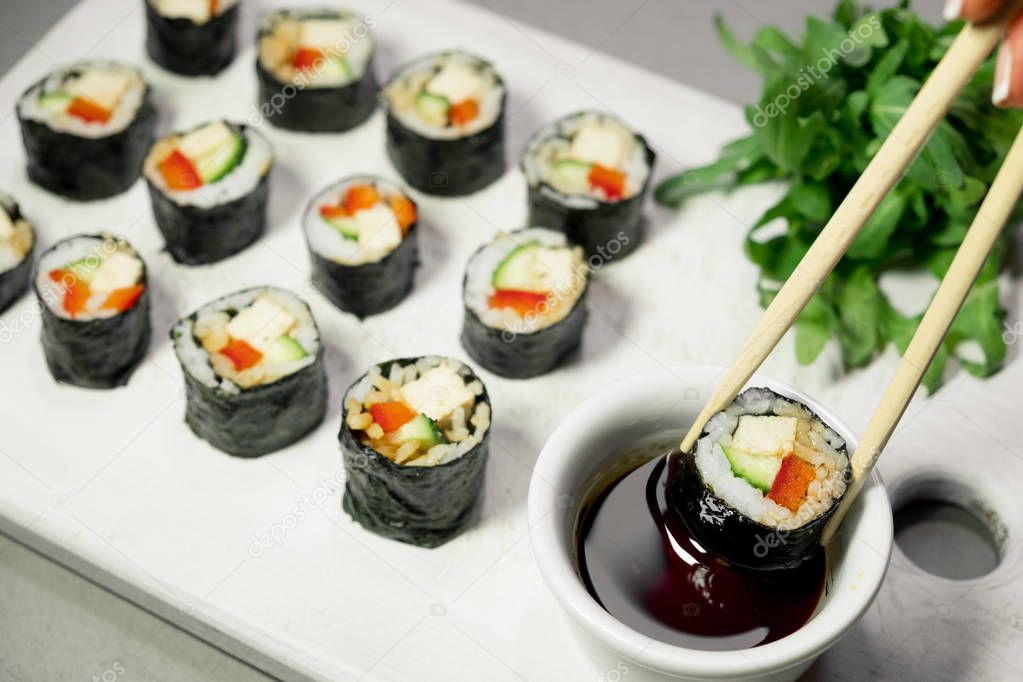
x=54, y=625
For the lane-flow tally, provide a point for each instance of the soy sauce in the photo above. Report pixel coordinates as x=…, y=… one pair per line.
x=640, y=562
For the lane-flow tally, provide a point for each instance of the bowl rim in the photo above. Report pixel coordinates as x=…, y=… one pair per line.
x=559, y=458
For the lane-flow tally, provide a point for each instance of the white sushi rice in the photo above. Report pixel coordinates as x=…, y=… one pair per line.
x=480, y=273
x=830, y=461
x=29, y=107
x=279, y=37
x=327, y=241
x=196, y=360
x=553, y=143
x=240, y=181
x=93, y=247
x=400, y=95
x=16, y=236
x=477, y=422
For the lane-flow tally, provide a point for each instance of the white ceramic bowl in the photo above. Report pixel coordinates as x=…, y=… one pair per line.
x=668, y=401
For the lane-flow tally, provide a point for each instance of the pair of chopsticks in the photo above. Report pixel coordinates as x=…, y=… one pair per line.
x=966, y=54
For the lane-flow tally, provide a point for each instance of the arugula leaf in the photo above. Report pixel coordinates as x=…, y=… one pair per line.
x=830, y=96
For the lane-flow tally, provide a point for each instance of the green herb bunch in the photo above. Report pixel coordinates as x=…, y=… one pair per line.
x=829, y=99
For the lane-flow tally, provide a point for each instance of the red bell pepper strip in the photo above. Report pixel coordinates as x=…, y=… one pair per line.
x=178, y=172
x=122, y=299
x=404, y=211
x=88, y=111
x=392, y=415
x=794, y=477
x=305, y=58
x=520, y=301
x=360, y=197
x=463, y=112
x=241, y=354
x=608, y=179
x=329, y=212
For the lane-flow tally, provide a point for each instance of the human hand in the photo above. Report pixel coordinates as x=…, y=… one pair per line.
x=1008, y=90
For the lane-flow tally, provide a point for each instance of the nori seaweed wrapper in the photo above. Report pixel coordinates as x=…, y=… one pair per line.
x=14, y=282
x=517, y=355
x=369, y=288
x=727, y=532
x=606, y=230
x=447, y=168
x=420, y=505
x=96, y=353
x=195, y=235
x=85, y=168
x=258, y=420
x=293, y=106
x=181, y=45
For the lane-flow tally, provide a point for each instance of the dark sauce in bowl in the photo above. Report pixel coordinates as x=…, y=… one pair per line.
x=641, y=563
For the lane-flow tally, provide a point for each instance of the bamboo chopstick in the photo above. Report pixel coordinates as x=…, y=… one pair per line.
x=968, y=261
x=967, y=52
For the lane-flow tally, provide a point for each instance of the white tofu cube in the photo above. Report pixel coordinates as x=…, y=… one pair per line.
x=326, y=34
x=601, y=144
x=261, y=323
x=118, y=270
x=196, y=10
x=205, y=141
x=105, y=88
x=378, y=228
x=765, y=435
x=456, y=81
x=437, y=393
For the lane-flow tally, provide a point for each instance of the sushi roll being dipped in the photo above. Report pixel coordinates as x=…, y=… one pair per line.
x=524, y=297
x=445, y=123
x=86, y=129
x=253, y=366
x=95, y=306
x=17, y=240
x=362, y=241
x=192, y=37
x=762, y=481
x=209, y=187
x=315, y=70
x=587, y=174
x=414, y=437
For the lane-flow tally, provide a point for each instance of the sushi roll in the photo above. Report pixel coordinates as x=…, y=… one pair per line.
x=209, y=188
x=587, y=175
x=94, y=298
x=524, y=297
x=445, y=123
x=192, y=37
x=253, y=366
x=414, y=437
x=17, y=241
x=86, y=129
x=362, y=242
x=315, y=70
x=762, y=481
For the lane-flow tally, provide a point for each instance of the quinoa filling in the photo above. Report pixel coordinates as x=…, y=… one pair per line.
x=16, y=237
x=320, y=49
x=426, y=413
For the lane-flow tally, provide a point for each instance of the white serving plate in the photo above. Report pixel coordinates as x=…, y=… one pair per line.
x=115, y=486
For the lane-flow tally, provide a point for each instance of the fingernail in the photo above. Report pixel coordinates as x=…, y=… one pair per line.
x=1003, y=75
x=953, y=9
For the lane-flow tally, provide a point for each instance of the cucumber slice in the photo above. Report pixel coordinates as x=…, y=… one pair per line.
x=337, y=69
x=220, y=161
x=284, y=349
x=757, y=470
x=85, y=269
x=570, y=176
x=433, y=108
x=421, y=430
x=55, y=102
x=517, y=268
x=348, y=226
